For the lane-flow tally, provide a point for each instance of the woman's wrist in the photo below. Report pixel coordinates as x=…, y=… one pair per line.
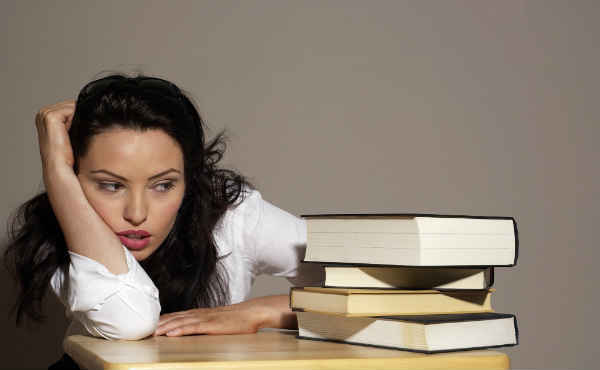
x=271, y=312
x=56, y=171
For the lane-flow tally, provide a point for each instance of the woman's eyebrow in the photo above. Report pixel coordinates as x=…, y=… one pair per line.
x=124, y=179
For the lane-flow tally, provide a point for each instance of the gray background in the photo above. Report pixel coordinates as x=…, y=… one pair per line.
x=484, y=108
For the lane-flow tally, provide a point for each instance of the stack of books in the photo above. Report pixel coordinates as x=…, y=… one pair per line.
x=417, y=282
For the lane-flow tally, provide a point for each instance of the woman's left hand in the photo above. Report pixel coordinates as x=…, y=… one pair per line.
x=220, y=320
x=240, y=318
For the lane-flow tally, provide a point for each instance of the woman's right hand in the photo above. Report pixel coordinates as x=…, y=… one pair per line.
x=53, y=123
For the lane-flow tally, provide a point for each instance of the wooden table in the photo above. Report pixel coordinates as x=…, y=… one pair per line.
x=269, y=349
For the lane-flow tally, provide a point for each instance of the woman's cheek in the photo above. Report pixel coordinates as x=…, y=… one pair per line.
x=171, y=209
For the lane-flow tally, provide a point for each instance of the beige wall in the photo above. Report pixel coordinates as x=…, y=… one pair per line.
x=485, y=108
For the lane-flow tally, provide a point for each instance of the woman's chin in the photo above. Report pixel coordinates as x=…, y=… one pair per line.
x=139, y=255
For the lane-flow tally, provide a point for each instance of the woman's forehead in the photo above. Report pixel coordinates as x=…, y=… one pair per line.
x=133, y=150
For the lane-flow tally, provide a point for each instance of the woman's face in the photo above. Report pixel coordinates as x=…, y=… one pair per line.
x=135, y=181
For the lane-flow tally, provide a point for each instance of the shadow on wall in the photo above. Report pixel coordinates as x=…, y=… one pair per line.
x=30, y=346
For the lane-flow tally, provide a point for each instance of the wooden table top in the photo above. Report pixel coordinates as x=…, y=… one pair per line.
x=271, y=349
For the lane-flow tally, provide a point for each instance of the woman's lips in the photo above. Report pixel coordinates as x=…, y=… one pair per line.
x=135, y=244
x=141, y=240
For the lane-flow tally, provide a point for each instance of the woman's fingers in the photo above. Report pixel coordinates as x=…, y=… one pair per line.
x=204, y=327
x=59, y=111
x=53, y=123
x=177, y=323
x=165, y=319
x=215, y=320
x=170, y=316
x=195, y=325
x=210, y=321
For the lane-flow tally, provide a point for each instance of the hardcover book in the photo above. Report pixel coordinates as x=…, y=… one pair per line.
x=386, y=302
x=427, y=334
x=411, y=240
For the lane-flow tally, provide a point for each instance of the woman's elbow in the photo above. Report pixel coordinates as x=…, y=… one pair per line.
x=116, y=320
x=124, y=327
x=131, y=330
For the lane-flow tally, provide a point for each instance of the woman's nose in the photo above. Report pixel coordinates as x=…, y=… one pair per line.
x=136, y=210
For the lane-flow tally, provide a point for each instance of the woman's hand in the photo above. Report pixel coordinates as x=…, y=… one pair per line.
x=242, y=318
x=53, y=123
x=220, y=320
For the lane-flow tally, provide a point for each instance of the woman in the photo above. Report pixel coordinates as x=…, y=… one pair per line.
x=135, y=204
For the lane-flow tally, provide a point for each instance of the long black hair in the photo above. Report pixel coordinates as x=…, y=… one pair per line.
x=185, y=268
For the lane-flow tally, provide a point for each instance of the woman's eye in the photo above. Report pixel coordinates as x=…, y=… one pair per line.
x=165, y=186
x=110, y=186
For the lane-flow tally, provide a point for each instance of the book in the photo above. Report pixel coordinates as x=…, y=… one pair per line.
x=411, y=240
x=439, y=278
x=427, y=334
x=386, y=302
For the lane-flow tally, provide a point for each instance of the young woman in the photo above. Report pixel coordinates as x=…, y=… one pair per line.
x=139, y=231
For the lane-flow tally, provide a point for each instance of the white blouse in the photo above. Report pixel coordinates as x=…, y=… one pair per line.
x=253, y=238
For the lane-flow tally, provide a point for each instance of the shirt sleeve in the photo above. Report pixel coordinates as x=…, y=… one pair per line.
x=110, y=306
x=277, y=241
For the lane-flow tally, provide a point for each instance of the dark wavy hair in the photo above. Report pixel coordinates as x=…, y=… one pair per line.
x=185, y=268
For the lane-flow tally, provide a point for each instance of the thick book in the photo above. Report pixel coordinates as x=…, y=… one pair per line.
x=411, y=240
x=426, y=334
x=386, y=302
x=439, y=278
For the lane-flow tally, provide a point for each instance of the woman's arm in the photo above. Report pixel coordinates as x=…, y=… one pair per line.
x=84, y=231
x=244, y=317
x=108, y=291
